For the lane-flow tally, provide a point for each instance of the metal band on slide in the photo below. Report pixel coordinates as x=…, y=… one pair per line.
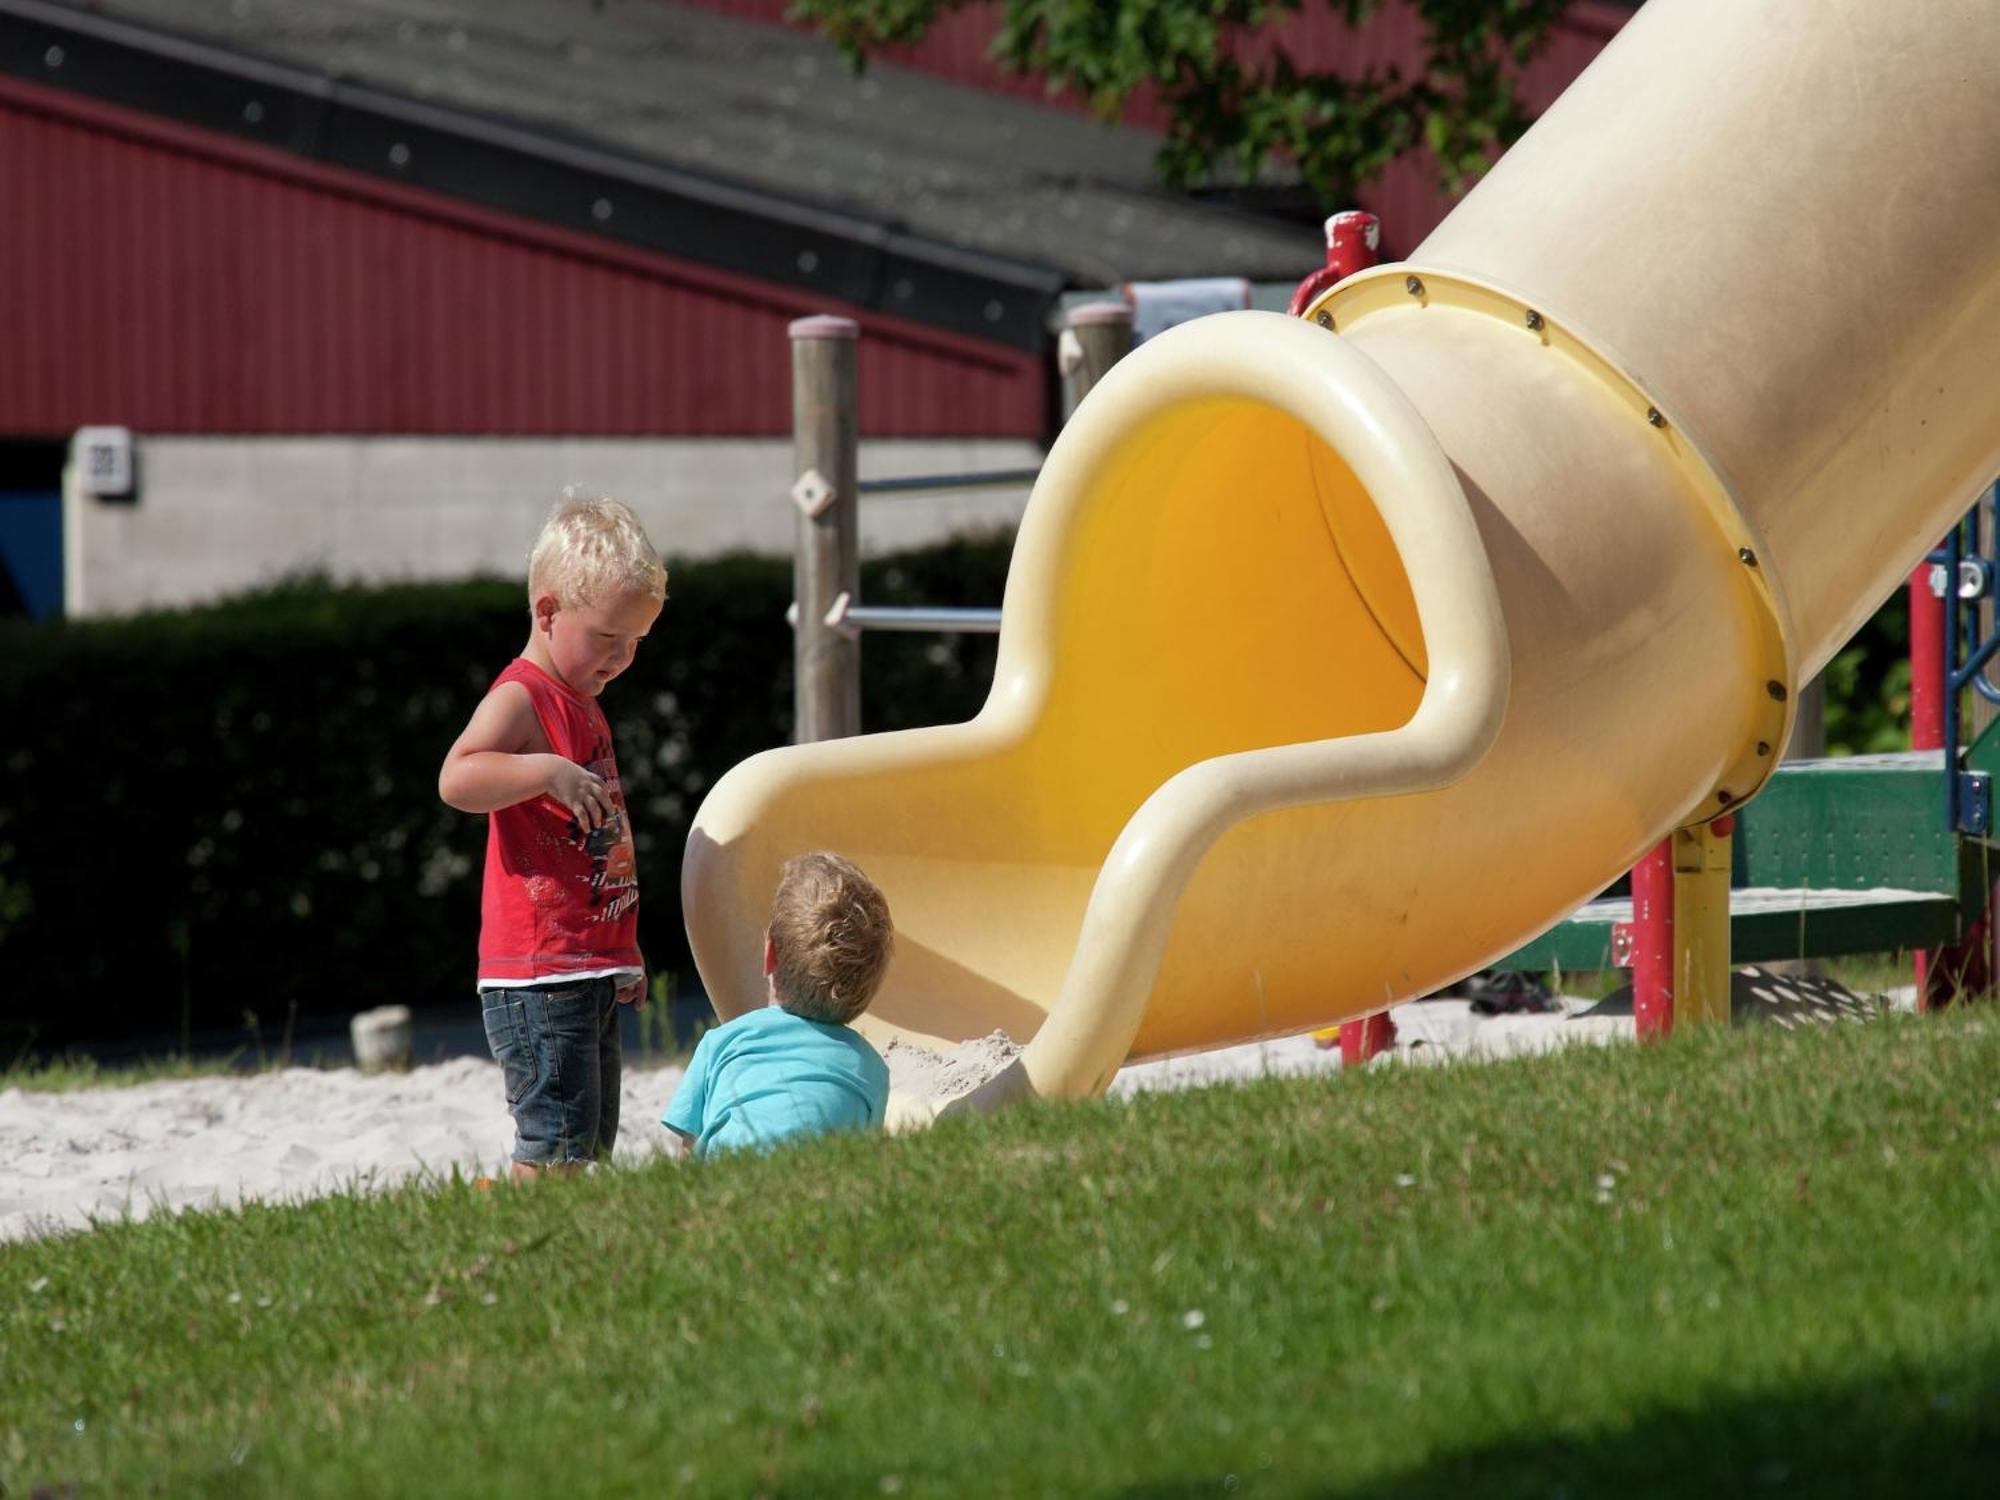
x=1769, y=681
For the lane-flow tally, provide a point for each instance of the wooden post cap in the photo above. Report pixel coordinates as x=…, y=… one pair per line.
x=824, y=326
x=1097, y=314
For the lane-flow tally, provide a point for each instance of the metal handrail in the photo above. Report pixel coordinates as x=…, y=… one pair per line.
x=917, y=617
x=914, y=484
x=850, y=619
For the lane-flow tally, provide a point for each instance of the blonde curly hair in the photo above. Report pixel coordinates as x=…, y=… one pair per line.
x=832, y=937
x=590, y=549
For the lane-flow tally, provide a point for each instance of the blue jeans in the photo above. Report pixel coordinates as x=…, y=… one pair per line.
x=557, y=1046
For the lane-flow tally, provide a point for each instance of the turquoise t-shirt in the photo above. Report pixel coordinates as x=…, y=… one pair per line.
x=769, y=1075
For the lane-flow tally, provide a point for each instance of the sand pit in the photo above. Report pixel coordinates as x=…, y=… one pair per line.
x=67, y=1159
x=299, y=1132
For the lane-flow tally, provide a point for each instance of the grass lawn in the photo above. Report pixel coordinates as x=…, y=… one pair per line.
x=63, y=1074
x=1755, y=1263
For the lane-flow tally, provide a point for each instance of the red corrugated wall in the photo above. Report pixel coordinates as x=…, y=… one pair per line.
x=171, y=280
x=1406, y=196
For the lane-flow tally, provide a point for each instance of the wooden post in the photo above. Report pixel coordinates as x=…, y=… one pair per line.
x=1100, y=336
x=826, y=564
x=1808, y=741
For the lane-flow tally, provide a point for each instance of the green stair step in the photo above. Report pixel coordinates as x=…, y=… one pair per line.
x=1835, y=856
x=1766, y=923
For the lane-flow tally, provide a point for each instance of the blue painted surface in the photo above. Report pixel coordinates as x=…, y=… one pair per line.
x=31, y=549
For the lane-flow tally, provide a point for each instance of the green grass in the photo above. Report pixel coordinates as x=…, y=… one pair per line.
x=61, y=1074
x=1746, y=1263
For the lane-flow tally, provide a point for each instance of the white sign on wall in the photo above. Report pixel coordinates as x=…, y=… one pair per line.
x=102, y=457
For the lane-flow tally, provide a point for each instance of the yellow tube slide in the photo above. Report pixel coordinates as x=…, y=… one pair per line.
x=1340, y=656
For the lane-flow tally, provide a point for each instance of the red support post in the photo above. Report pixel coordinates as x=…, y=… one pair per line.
x=1353, y=243
x=1927, y=709
x=1926, y=662
x=1653, y=941
x=1363, y=1039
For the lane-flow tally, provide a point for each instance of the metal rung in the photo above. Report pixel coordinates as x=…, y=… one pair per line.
x=851, y=619
x=879, y=617
x=989, y=479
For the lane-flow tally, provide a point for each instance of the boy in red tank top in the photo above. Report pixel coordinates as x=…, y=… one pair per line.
x=559, y=910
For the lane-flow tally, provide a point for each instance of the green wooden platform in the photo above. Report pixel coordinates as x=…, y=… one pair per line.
x=1833, y=857
x=1766, y=923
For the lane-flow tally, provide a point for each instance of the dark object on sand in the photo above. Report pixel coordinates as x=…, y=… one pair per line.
x=1506, y=993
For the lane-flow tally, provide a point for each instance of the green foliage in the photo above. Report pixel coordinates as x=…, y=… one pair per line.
x=234, y=810
x=1235, y=100
x=1868, y=685
x=1749, y=1262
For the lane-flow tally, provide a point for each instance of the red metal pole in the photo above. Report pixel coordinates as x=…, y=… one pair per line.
x=1363, y=1039
x=1653, y=941
x=1926, y=663
x=1927, y=708
x=1353, y=243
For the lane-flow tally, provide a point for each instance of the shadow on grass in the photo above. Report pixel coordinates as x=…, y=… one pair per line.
x=1887, y=1438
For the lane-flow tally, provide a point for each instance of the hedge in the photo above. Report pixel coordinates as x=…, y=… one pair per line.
x=227, y=811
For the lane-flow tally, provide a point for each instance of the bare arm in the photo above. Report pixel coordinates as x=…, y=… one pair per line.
x=632, y=988
x=498, y=761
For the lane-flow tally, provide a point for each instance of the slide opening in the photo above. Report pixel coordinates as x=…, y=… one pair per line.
x=1227, y=585
x=1230, y=586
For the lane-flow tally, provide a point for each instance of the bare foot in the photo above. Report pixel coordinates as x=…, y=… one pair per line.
x=524, y=1173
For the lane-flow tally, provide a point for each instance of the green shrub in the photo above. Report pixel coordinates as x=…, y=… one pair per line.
x=1868, y=685
x=210, y=812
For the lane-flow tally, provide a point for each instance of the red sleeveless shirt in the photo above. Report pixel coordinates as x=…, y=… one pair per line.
x=559, y=900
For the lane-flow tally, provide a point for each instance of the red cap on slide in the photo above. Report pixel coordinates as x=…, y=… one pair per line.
x=1353, y=243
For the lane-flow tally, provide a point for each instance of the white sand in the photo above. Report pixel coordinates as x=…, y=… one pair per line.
x=1426, y=1031
x=923, y=1074
x=101, y=1153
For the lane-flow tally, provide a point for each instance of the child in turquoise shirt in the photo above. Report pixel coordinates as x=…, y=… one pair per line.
x=795, y=1067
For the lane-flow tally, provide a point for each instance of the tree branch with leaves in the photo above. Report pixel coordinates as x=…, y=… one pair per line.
x=1234, y=108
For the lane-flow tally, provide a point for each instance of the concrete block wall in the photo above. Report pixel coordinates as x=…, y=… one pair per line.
x=213, y=516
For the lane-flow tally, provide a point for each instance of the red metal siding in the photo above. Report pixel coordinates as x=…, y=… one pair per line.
x=1405, y=197
x=176, y=281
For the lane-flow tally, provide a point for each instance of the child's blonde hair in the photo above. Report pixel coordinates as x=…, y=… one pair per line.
x=832, y=936
x=592, y=548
